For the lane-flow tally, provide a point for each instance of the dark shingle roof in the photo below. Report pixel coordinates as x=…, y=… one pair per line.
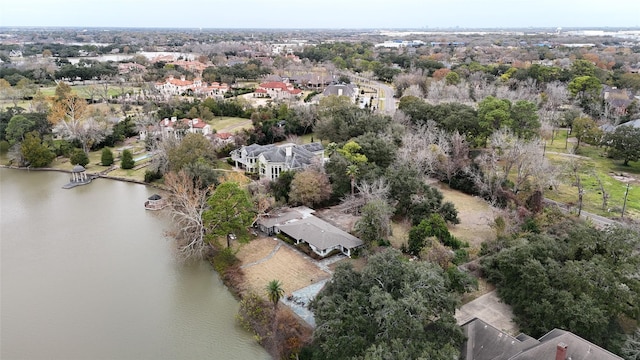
x=300, y=155
x=577, y=348
x=485, y=342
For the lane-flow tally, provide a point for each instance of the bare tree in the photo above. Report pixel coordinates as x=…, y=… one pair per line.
x=378, y=190
x=91, y=92
x=307, y=116
x=419, y=148
x=555, y=96
x=88, y=131
x=455, y=155
x=521, y=159
x=187, y=202
x=263, y=201
x=603, y=192
x=160, y=150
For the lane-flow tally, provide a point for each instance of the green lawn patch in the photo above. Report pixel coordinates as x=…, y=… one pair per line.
x=81, y=90
x=230, y=124
x=594, y=164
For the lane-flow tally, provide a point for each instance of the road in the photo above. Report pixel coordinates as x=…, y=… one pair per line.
x=597, y=220
x=386, y=102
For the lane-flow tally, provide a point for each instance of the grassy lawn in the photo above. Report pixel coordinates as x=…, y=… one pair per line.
x=230, y=124
x=80, y=90
x=222, y=164
x=399, y=233
x=7, y=104
x=129, y=174
x=306, y=138
x=612, y=173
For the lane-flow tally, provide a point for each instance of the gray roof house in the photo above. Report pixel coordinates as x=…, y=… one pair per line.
x=610, y=128
x=349, y=90
x=300, y=225
x=485, y=342
x=271, y=160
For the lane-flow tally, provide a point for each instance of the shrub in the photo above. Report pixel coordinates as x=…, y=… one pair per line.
x=79, y=157
x=4, y=146
x=461, y=256
x=63, y=148
x=531, y=225
x=127, y=160
x=310, y=96
x=223, y=260
x=107, y=157
x=150, y=176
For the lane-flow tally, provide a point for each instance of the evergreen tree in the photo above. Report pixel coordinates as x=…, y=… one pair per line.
x=127, y=160
x=107, y=157
x=79, y=157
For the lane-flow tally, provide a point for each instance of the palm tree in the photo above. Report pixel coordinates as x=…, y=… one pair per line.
x=352, y=171
x=274, y=292
x=331, y=149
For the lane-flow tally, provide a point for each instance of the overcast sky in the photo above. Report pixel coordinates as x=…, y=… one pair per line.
x=320, y=13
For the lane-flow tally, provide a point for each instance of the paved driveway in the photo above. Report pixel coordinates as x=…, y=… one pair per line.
x=490, y=309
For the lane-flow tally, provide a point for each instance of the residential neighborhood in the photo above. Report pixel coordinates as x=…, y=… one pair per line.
x=427, y=193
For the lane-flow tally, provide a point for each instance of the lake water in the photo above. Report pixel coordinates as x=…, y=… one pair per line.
x=87, y=273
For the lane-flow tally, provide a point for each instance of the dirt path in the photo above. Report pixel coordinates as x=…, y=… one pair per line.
x=569, y=155
x=266, y=258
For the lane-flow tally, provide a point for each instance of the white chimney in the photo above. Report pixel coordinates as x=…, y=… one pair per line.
x=174, y=119
x=288, y=150
x=339, y=92
x=194, y=121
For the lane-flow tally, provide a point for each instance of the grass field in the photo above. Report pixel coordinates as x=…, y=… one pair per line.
x=593, y=164
x=230, y=124
x=81, y=90
x=286, y=265
x=476, y=217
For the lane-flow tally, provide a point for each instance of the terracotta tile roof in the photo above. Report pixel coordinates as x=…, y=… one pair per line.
x=197, y=123
x=274, y=85
x=179, y=82
x=223, y=135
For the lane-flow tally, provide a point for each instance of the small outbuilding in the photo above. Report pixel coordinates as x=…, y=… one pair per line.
x=78, y=174
x=155, y=202
x=78, y=177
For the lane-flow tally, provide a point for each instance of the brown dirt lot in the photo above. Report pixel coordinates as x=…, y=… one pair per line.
x=256, y=249
x=337, y=218
x=476, y=217
x=287, y=265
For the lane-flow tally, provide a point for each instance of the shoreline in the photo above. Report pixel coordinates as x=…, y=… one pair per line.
x=95, y=175
x=234, y=284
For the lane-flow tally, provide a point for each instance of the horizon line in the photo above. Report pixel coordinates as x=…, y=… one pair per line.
x=457, y=28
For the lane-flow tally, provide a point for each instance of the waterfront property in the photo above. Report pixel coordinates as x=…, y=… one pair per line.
x=95, y=274
x=176, y=128
x=155, y=202
x=302, y=227
x=485, y=342
x=78, y=177
x=269, y=161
